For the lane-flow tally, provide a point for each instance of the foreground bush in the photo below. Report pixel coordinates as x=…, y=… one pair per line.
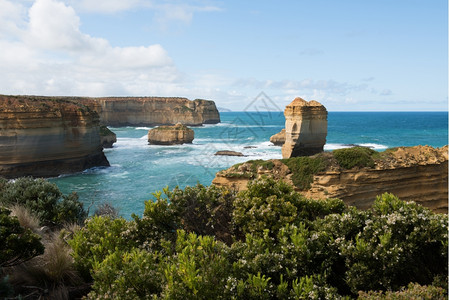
x=278, y=245
x=43, y=199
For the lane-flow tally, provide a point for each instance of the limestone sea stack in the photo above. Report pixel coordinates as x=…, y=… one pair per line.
x=278, y=139
x=170, y=135
x=153, y=111
x=47, y=136
x=305, y=128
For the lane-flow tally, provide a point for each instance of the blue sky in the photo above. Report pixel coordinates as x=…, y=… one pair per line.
x=349, y=55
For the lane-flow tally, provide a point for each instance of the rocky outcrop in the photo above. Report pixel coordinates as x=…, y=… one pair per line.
x=47, y=136
x=152, y=111
x=229, y=153
x=305, y=128
x=278, y=139
x=107, y=137
x=170, y=135
x=417, y=174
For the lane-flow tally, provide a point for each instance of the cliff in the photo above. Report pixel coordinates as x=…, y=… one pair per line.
x=151, y=111
x=417, y=174
x=47, y=136
x=305, y=128
x=170, y=135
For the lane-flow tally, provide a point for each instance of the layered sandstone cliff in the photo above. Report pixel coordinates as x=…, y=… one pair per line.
x=47, y=136
x=170, y=135
x=305, y=128
x=151, y=111
x=417, y=174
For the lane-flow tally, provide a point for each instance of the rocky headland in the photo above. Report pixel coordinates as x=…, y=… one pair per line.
x=153, y=111
x=417, y=174
x=47, y=136
x=171, y=135
x=107, y=137
x=305, y=128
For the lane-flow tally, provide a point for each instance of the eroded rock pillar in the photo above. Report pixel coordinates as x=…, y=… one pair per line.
x=305, y=128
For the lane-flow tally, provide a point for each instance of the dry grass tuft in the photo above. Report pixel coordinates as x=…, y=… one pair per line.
x=51, y=273
x=26, y=218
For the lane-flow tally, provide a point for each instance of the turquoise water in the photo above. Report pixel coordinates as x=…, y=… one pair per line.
x=138, y=169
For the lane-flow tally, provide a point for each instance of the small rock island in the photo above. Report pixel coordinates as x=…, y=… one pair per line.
x=170, y=135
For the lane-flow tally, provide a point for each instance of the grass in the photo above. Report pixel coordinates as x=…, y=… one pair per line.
x=303, y=168
x=267, y=164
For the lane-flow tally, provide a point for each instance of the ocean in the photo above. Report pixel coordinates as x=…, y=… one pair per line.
x=138, y=169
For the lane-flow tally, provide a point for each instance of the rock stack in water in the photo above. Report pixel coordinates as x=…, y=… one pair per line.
x=47, y=136
x=305, y=128
x=170, y=135
x=278, y=139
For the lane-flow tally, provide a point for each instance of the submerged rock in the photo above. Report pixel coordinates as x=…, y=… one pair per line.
x=171, y=135
x=229, y=153
x=305, y=128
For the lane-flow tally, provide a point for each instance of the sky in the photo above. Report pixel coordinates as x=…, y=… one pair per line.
x=350, y=55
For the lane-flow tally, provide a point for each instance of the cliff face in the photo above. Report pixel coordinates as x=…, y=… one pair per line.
x=305, y=128
x=47, y=136
x=170, y=135
x=417, y=174
x=150, y=111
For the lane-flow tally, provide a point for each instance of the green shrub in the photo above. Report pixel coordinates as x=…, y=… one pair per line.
x=43, y=199
x=127, y=275
x=269, y=205
x=349, y=158
x=17, y=244
x=204, y=210
x=159, y=223
x=99, y=237
x=198, y=269
x=399, y=243
x=303, y=168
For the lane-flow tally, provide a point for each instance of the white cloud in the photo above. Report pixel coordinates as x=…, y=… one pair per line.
x=53, y=25
x=305, y=85
x=11, y=18
x=48, y=54
x=106, y=6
